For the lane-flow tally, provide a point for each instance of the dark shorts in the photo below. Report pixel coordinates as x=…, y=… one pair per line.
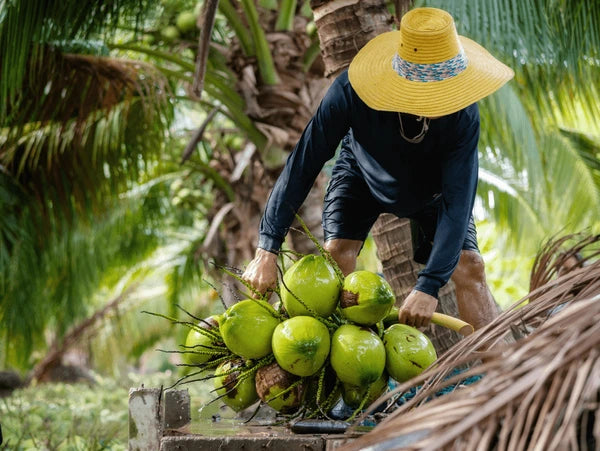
x=350, y=211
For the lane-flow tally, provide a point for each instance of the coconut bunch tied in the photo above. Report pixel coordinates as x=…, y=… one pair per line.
x=538, y=392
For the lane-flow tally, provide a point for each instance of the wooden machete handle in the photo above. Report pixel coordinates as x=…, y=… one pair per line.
x=453, y=323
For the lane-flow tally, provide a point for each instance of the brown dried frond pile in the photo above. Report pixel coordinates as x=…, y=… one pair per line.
x=540, y=392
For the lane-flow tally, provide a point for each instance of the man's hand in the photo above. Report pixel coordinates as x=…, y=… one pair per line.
x=261, y=273
x=417, y=309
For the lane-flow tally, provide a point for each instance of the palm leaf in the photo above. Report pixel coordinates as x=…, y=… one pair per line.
x=26, y=26
x=49, y=276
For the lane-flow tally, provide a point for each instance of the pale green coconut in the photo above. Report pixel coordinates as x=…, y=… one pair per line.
x=272, y=384
x=237, y=397
x=186, y=21
x=357, y=355
x=170, y=33
x=408, y=352
x=197, y=342
x=247, y=327
x=315, y=283
x=353, y=395
x=366, y=298
x=392, y=316
x=301, y=345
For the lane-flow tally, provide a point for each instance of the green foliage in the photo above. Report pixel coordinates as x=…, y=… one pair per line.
x=28, y=26
x=507, y=270
x=78, y=416
x=553, y=45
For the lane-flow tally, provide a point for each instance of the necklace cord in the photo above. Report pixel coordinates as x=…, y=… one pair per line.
x=417, y=139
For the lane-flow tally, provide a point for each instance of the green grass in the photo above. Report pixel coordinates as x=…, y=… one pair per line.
x=69, y=417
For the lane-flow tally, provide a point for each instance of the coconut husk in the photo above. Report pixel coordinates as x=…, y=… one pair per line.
x=538, y=392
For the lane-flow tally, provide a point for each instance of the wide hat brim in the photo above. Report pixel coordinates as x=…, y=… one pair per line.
x=378, y=85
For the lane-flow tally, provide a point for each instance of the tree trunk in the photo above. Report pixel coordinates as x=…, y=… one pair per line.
x=392, y=236
x=344, y=27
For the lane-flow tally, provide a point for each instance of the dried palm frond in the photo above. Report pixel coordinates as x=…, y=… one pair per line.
x=559, y=256
x=536, y=393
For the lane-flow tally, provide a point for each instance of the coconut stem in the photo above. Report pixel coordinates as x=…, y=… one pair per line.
x=209, y=347
x=218, y=293
x=320, y=385
x=331, y=399
x=362, y=403
x=253, y=290
x=209, y=333
x=207, y=352
x=380, y=329
x=258, y=365
x=287, y=390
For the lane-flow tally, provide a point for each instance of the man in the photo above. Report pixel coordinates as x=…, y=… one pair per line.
x=405, y=112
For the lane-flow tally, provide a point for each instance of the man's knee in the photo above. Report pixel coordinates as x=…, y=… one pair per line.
x=470, y=268
x=344, y=252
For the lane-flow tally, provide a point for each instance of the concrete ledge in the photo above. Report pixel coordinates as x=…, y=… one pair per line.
x=246, y=443
x=253, y=443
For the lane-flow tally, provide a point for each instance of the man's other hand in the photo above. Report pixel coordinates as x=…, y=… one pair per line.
x=417, y=309
x=261, y=273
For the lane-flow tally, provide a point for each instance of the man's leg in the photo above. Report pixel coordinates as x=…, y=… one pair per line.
x=349, y=212
x=475, y=302
x=344, y=252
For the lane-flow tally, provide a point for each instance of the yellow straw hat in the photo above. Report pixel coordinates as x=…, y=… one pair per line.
x=425, y=68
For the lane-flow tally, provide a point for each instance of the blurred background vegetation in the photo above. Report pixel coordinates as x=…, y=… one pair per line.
x=120, y=183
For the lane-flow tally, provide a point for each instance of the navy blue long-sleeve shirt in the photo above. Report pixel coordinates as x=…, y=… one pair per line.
x=402, y=176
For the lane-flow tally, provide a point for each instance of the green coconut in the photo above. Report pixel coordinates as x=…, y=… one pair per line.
x=366, y=298
x=197, y=342
x=247, y=327
x=392, y=316
x=353, y=395
x=312, y=280
x=237, y=395
x=357, y=355
x=272, y=384
x=170, y=33
x=301, y=345
x=186, y=21
x=408, y=352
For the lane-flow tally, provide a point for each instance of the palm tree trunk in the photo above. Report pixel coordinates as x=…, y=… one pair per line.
x=344, y=27
x=393, y=238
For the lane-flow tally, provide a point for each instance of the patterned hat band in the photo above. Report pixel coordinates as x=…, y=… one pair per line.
x=430, y=72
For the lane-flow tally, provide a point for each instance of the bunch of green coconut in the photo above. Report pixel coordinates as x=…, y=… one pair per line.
x=326, y=338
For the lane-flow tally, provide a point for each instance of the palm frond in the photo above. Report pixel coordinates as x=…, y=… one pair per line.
x=50, y=276
x=508, y=133
x=562, y=198
x=75, y=86
x=511, y=207
x=588, y=149
x=69, y=167
x=26, y=26
x=572, y=197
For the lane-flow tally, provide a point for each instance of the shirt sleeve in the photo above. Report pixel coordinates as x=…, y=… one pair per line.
x=316, y=146
x=459, y=184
